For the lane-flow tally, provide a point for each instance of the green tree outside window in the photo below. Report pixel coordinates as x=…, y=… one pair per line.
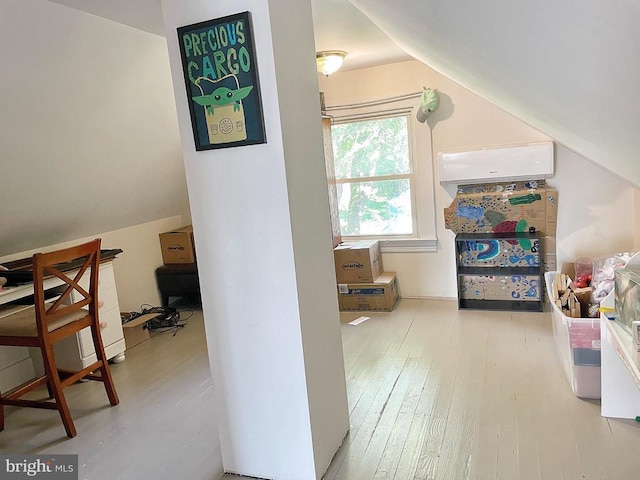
x=373, y=171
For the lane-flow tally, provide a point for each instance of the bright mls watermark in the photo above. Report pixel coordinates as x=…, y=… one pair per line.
x=50, y=467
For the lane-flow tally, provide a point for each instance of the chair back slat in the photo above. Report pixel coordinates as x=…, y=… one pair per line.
x=74, y=296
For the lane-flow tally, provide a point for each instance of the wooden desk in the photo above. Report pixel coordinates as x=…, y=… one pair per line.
x=75, y=353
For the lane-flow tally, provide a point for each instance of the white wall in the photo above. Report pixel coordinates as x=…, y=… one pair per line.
x=88, y=133
x=261, y=225
x=595, y=209
x=589, y=220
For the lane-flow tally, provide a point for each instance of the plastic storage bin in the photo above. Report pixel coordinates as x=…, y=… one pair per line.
x=578, y=345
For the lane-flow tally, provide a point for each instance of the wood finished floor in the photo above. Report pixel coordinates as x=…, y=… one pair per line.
x=433, y=393
x=163, y=428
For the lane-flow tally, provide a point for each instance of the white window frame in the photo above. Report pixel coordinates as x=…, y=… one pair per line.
x=424, y=237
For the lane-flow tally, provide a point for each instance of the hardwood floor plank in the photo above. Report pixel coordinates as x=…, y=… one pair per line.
x=367, y=415
x=470, y=345
x=433, y=341
x=484, y=457
x=399, y=436
x=539, y=346
x=436, y=421
x=527, y=395
x=369, y=382
x=370, y=459
x=414, y=346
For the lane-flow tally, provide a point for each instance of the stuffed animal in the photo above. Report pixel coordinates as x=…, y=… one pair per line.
x=604, y=275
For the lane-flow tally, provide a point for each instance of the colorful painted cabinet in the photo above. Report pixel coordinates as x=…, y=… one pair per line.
x=499, y=271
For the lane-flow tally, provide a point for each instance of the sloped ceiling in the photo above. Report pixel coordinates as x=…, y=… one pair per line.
x=570, y=69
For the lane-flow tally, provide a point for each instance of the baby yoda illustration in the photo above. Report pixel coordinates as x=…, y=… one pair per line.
x=223, y=96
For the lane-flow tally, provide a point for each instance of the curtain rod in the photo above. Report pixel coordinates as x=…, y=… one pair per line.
x=368, y=116
x=373, y=103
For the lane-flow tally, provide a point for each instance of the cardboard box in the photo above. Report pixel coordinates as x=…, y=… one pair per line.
x=380, y=295
x=503, y=207
x=178, y=246
x=358, y=263
x=135, y=331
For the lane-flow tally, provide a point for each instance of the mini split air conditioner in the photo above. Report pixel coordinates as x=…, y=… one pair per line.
x=521, y=162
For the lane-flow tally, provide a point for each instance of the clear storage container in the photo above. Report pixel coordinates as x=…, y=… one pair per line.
x=578, y=345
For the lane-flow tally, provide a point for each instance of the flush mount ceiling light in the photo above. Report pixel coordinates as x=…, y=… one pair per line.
x=329, y=62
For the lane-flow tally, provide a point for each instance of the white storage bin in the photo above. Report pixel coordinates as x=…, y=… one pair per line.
x=578, y=345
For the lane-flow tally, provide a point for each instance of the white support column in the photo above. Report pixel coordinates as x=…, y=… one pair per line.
x=263, y=241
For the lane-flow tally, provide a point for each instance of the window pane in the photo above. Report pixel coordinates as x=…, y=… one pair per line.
x=375, y=208
x=371, y=148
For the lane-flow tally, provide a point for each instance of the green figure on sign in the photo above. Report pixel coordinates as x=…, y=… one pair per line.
x=223, y=96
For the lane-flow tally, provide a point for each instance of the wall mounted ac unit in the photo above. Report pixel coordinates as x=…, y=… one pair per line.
x=521, y=162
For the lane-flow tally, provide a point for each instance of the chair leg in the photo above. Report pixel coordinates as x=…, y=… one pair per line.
x=57, y=390
x=105, y=372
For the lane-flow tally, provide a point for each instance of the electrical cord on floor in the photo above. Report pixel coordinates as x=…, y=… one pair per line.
x=169, y=319
x=146, y=308
x=161, y=331
x=184, y=319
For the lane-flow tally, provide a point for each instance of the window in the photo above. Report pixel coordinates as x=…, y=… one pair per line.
x=374, y=176
x=384, y=174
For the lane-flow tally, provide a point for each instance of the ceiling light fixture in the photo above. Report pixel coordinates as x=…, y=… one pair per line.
x=329, y=62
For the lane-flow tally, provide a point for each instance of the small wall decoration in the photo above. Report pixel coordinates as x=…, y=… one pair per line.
x=221, y=78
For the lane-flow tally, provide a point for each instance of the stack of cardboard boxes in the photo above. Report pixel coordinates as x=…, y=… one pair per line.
x=362, y=283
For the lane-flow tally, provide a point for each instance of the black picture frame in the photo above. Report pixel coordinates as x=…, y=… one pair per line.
x=221, y=78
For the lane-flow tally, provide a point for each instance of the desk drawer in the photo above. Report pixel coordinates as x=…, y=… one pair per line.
x=106, y=279
x=110, y=334
x=107, y=300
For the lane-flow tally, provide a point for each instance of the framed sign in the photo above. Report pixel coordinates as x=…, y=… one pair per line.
x=221, y=77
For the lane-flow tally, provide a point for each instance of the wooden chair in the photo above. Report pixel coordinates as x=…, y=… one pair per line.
x=46, y=323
